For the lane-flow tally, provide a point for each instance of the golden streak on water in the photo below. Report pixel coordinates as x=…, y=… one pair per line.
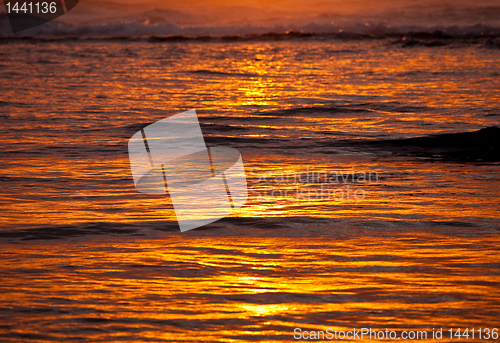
x=257, y=286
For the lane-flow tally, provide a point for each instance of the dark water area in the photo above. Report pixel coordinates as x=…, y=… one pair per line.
x=477, y=146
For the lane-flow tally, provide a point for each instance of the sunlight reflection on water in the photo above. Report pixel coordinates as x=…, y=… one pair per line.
x=88, y=258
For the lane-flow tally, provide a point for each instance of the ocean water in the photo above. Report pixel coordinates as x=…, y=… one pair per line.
x=373, y=172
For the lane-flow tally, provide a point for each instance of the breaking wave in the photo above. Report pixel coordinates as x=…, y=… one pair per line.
x=410, y=24
x=406, y=36
x=476, y=146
